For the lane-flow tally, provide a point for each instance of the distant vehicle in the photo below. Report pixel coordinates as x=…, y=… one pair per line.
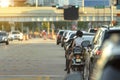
x=69, y=33
x=4, y=37
x=15, y=35
x=59, y=35
x=92, y=30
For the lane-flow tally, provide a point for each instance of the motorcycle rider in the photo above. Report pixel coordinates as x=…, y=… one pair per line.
x=76, y=43
x=67, y=53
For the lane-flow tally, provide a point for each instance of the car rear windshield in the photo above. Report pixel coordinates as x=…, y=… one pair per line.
x=72, y=36
x=88, y=34
x=64, y=34
x=2, y=34
x=15, y=33
x=108, y=34
x=61, y=32
x=93, y=31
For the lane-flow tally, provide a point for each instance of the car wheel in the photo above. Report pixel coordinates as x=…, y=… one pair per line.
x=62, y=45
x=57, y=43
x=7, y=43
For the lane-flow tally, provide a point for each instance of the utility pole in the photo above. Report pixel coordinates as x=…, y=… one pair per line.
x=83, y=5
x=111, y=10
x=48, y=29
x=36, y=2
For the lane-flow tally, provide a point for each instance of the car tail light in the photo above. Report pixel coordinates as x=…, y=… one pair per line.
x=98, y=52
x=77, y=56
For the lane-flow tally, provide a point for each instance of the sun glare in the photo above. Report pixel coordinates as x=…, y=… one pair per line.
x=4, y=3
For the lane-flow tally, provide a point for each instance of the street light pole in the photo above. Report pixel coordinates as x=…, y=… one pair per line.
x=83, y=5
x=36, y=3
x=111, y=10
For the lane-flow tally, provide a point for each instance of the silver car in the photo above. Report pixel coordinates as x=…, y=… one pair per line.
x=4, y=37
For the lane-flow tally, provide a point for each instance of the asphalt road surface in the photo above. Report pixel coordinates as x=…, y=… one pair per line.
x=34, y=59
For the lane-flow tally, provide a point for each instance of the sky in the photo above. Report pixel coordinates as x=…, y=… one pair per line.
x=93, y=3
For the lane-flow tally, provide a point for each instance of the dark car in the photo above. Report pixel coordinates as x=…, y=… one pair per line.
x=101, y=36
x=59, y=35
x=108, y=66
x=4, y=37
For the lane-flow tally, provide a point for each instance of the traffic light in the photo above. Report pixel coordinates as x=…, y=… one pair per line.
x=71, y=13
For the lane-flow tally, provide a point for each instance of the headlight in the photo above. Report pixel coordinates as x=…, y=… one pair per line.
x=4, y=38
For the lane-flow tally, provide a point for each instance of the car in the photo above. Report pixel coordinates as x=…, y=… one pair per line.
x=63, y=37
x=86, y=37
x=4, y=37
x=107, y=67
x=15, y=35
x=67, y=40
x=59, y=35
x=101, y=36
x=69, y=33
x=92, y=30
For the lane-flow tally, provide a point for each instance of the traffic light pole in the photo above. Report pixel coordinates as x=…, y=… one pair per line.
x=83, y=5
x=36, y=3
x=111, y=10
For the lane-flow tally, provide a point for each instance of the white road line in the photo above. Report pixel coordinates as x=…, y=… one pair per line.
x=32, y=75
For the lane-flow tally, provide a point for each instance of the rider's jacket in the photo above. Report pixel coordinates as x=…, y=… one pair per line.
x=78, y=41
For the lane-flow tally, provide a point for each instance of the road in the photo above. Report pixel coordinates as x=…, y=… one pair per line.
x=34, y=59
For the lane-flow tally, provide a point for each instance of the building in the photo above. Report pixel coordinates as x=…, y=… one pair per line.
x=42, y=2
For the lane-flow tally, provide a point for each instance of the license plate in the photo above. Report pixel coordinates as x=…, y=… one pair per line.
x=78, y=60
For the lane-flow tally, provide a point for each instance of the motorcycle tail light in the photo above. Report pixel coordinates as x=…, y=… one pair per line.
x=77, y=56
x=98, y=52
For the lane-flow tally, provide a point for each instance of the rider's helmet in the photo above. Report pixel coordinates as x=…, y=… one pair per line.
x=79, y=33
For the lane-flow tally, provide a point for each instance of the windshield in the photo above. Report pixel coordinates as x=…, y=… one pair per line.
x=88, y=34
x=72, y=36
x=15, y=32
x=2, y=34
x=61, y=32
x=108, y=34
x=93, y=30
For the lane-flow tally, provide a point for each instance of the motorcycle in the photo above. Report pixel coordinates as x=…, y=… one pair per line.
x=79, y=58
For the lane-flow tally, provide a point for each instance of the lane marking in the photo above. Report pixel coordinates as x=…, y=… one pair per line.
x=32, y=75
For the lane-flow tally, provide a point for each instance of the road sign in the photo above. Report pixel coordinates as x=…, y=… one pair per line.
x=99, y=7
